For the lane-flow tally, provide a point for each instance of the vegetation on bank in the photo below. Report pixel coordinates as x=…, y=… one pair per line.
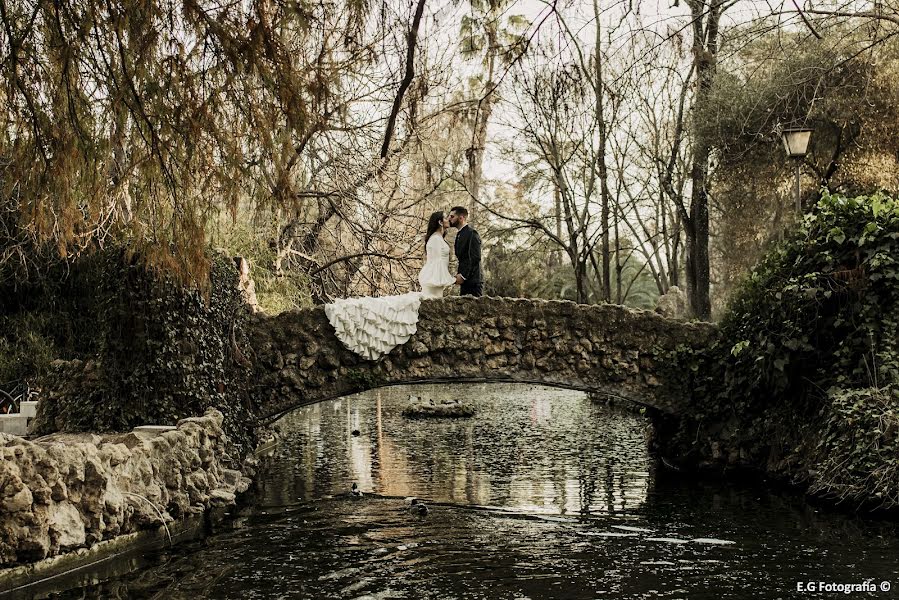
x=135, y=347
x=805, y=376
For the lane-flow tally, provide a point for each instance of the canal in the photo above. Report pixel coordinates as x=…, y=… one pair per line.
x=542, y=494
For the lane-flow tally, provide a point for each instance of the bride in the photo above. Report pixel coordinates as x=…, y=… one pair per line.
x=372, y=326
x=435, y=276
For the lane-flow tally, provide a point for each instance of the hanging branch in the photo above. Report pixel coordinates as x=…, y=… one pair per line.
x=806, y=21
x=407, y=77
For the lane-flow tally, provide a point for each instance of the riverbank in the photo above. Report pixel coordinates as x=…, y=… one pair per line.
x=802, y=383
x=67, y=492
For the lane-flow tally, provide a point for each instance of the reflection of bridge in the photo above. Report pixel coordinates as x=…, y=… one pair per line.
x=605, y=348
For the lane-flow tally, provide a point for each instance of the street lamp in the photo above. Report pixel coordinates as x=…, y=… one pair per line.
x=796, y=144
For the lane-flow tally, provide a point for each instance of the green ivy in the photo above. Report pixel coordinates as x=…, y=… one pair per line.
x=815, y=323
x=162, y=352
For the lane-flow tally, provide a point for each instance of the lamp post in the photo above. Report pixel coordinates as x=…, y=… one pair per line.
x=796, y=143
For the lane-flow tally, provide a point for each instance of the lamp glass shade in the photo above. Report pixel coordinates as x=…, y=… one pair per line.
x=796, y=141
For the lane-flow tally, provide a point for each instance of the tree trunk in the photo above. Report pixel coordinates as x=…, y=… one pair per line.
x=602, y=171
x=475, y=153
x=674, y=256
x=556, y=255
x=619, y=266
x=580, y=279
x=705, y=51
x=698, y=256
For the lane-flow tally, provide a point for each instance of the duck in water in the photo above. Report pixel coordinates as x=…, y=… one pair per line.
x=418, y=508
x=356, y=492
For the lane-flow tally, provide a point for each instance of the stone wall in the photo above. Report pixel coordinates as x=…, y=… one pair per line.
x=608, y=348
x=163, y=352
x=68, y=491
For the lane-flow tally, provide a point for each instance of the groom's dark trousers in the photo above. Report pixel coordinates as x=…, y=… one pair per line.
x=472, y=289
x=468, y=251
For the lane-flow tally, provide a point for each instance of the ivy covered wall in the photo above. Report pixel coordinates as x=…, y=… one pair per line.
x=159, y=352
x=804, y=380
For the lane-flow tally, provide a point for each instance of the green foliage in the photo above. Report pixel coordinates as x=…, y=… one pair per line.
x=26, y=347
x=541, y=270
x=162, y=352
x=55, y=317
x=362, y=380
x=842, y=86
x=275, y=293
x=822, y=307
x=809, y=349
x=859, y=446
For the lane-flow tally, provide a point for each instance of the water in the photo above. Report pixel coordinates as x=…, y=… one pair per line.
x=542, y=494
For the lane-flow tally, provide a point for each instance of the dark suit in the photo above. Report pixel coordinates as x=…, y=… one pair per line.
x=468, y=252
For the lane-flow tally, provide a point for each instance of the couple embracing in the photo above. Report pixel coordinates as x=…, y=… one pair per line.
x=372, y=326
x=435, y=275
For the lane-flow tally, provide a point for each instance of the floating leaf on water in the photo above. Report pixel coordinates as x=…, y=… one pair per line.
x=712, y=541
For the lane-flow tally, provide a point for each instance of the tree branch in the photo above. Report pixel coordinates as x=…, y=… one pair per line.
x=333, y=262
x=407, y=77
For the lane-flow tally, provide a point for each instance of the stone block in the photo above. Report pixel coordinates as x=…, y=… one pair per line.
x=28, y=408
x=14, y=424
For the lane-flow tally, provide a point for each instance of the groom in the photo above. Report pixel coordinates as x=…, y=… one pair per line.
x=468, y=252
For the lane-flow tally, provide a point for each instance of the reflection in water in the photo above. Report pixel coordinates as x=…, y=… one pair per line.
x=535, y=450
x=541, y=495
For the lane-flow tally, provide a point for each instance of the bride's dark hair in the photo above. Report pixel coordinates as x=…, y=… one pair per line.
x=433, y=225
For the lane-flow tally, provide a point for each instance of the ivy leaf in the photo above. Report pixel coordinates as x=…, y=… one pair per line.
x=739, y=347
x=836, y=234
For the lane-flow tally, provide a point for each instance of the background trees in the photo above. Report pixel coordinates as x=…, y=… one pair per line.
x=610, y=148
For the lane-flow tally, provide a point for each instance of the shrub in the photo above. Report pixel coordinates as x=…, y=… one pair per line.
x=807, y=362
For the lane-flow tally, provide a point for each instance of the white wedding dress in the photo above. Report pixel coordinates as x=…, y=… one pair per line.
x=435, y=276
x=372, y=327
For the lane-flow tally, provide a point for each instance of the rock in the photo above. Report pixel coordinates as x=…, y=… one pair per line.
x=65, y=525
x=243, y=485
x=67, y=491
x=221, y=498
x=230, y=478
x=18, y=502
x=673, y=304
x=429, y=409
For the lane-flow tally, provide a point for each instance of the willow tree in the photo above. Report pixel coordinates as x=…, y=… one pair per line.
x=137, y=121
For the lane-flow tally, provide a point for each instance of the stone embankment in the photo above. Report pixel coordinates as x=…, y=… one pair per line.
x=68, y=491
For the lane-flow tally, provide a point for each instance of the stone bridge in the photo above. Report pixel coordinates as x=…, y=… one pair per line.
x=607, y=349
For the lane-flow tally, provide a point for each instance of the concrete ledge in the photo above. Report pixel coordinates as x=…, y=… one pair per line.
x=65, y=571
x=14, y=424
x=153, y=430
x=28, y=408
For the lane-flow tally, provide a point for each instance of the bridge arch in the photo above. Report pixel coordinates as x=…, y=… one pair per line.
x=604, y=348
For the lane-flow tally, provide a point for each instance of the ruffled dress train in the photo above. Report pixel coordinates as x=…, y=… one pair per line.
x=372, y=327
